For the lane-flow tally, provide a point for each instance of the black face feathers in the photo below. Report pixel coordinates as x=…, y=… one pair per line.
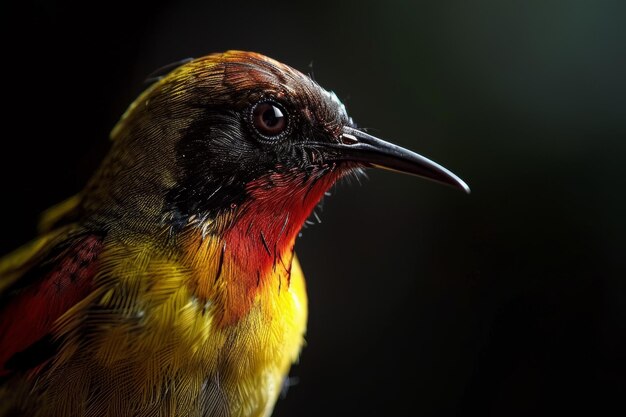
x=264, y=127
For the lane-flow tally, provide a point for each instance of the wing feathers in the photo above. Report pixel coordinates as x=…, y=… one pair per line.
x=33, y=302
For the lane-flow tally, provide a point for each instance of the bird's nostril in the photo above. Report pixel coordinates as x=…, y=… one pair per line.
x=348, y=139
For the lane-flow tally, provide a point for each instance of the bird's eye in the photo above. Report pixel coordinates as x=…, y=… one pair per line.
x=269, y=119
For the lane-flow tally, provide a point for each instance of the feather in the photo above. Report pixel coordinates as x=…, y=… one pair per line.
x=53, y=284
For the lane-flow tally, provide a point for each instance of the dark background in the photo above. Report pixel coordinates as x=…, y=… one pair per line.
x=424, y=301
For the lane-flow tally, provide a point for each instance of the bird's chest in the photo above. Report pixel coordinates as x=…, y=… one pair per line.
x=155, y=349
x=241, y=365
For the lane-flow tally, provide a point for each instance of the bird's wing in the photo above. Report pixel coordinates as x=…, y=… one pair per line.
x=38, y=283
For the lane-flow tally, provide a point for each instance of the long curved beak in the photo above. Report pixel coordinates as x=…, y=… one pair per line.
x=361, y=147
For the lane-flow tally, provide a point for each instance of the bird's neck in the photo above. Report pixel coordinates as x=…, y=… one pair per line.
x=252, y=258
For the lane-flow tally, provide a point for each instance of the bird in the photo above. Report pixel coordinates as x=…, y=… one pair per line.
x=169, y=286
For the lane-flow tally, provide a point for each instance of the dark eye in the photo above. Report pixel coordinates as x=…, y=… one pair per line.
x=269, y=119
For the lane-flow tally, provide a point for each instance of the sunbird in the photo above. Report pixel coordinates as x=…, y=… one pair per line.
x=169, y=285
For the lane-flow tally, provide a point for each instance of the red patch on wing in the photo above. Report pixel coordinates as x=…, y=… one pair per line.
x=30, y=314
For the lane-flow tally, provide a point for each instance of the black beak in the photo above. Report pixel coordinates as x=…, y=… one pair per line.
x=361, y=147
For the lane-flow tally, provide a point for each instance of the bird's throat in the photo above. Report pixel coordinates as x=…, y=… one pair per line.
x=252, y=259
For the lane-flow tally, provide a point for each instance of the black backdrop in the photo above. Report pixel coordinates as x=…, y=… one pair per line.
x=424, y=301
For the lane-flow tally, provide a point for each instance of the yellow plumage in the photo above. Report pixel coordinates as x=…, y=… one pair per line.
x=146, y=329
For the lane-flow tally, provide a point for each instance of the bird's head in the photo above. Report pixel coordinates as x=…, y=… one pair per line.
x=239, y=136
